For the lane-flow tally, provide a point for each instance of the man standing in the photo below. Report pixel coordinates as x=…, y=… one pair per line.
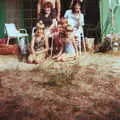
x=56, y=7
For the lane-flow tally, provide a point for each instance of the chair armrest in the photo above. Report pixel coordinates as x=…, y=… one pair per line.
x=5, y=31
x=33, y=30
x=23, y=30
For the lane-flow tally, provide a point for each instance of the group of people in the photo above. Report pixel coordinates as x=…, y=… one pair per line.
x=57, y=37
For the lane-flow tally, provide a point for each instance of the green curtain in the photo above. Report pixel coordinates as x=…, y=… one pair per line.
x=106, y=15
x=2, y=17
x=117, y=20
x=105, y=21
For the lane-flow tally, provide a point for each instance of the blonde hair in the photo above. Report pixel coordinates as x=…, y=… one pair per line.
x=69, y=28
x=40, y=25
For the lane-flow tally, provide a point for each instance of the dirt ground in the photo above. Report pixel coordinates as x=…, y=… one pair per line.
x=85, y=89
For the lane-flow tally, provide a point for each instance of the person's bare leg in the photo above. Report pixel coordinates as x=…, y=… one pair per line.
x=65, y=58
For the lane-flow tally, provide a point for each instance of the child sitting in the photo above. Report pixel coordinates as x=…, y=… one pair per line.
x=70, y=47
x=39, y=45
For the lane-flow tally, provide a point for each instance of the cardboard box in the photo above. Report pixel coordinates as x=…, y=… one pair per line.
x=90, y=43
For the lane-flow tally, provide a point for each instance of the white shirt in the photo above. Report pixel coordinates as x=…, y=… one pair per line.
x=76, y=21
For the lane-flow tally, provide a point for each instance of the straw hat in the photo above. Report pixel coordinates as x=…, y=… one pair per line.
x=40, y=25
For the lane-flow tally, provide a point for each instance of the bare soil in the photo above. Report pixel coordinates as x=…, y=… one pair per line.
x=85, y=89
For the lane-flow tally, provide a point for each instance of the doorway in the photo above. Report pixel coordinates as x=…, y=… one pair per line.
x=30, y=14
x=92, y=19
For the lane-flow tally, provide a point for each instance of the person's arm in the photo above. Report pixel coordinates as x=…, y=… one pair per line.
x=70, y=6
x=32, y=45
x=46, y=44
x=66, y=14
x=53, y=24
x=38, y=8
x=58, y=5
x=82, y=19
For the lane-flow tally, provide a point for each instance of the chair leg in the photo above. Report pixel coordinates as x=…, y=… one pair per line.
x=8, y=40
x=84, y=45
x=52, y=46
x=80, y=48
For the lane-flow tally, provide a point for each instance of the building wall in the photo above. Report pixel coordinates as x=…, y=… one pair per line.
x=20, y=12
x=2, y=17
x=30, y=13
x=13, y=11
x=10, y=12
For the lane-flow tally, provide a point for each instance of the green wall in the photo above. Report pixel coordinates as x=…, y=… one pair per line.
x=2, y=17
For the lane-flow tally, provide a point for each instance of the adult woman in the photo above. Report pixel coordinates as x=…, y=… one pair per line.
x=56, y=7
x=39, y=45
x=82, y=3
x=76, y=19
x=47, y=17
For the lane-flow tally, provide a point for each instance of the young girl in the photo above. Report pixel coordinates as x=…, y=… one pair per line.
x=76, y=20
x=70, y=47
x=39, y=45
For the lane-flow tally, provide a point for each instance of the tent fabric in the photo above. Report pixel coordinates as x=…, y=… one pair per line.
x=106, y=7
